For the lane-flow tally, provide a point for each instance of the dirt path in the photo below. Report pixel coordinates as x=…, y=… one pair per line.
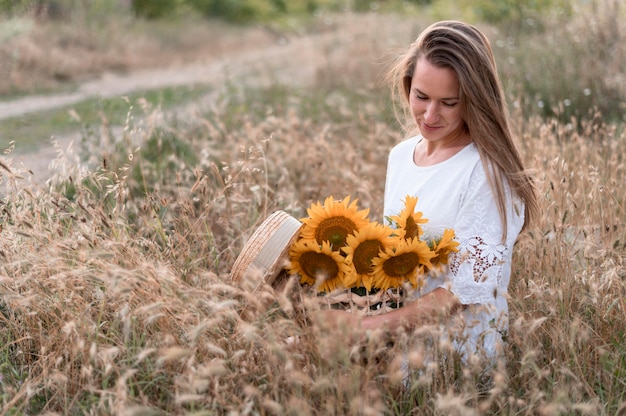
x=294, y=61
x=279, y=61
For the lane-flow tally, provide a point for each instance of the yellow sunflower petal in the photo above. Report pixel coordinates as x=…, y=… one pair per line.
x=362, y=247
x=403, y=262
x=443, y=247
x=408, y=221
x=333, y=221
x=318, y=265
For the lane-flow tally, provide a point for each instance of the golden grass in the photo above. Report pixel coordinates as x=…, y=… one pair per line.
x=116, y=297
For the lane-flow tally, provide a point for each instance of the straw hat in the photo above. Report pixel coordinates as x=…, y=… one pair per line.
x=266, y=252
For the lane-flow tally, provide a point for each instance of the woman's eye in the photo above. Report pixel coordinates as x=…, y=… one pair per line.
x=450, y=104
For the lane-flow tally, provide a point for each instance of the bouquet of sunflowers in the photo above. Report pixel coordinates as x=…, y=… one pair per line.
x=354, y=261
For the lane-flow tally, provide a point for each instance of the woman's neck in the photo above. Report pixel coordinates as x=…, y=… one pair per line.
x=430, y=152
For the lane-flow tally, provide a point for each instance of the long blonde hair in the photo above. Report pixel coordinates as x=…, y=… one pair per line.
x=467, y=51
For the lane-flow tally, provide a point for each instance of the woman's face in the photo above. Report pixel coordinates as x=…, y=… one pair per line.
x=435, y=103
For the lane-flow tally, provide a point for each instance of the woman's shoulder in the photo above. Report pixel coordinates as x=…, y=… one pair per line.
x=466, y=160
x=469, y=153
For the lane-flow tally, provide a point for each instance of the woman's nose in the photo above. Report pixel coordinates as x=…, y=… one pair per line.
x=431, y=113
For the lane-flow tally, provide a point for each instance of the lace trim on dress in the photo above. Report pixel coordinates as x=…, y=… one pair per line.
x=484, y=255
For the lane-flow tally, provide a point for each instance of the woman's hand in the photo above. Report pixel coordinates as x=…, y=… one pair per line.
x=428, y=309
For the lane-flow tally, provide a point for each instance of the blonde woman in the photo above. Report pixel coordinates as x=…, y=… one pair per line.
x=462, y=165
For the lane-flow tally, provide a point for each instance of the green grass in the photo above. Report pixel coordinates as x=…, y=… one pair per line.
x=32, y=130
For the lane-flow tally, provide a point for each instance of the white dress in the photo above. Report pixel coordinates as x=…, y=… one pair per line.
x=456, y=194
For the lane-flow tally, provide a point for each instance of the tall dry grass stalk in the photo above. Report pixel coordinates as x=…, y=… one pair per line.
x=116, y=296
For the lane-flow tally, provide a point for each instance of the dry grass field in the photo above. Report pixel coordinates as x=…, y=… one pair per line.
x=115, y=289
x=44, y=56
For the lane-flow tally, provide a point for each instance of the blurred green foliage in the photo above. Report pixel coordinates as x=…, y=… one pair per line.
x=235, y=11
x=507, y=13
x=244, y=11
x=516, y=14
x=153, y=9
x=62, y=10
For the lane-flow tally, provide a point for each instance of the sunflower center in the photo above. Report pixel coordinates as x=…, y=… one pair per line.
x=411, y=228
x=364, y=254
x=319, y=264
x=335, y=230
x=401, y=265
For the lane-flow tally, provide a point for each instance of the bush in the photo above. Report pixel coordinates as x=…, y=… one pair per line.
x=60, y=10
x=14, y=7
x=42, y=9
x=153, y=9
x=516, y=14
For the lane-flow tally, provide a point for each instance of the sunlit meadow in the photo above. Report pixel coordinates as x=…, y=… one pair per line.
x=116, y=296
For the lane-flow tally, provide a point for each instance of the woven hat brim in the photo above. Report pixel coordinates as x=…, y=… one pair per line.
x=266, y=252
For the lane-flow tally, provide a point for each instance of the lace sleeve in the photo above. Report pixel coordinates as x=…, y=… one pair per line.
x=483, y=256
x=481, y=267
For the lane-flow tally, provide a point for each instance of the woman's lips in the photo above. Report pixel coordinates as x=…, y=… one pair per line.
x=429, y=128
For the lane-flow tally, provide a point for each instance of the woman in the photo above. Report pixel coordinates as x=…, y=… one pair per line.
x=467, y=175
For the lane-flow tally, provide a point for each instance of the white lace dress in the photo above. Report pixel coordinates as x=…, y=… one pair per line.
x=456, y=194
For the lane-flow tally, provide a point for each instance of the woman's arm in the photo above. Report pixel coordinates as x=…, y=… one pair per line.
x=428, y=309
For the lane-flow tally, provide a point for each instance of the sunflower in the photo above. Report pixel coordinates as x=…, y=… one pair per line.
x=318, y=265
x=333, y=221
x=408, y=221
x=362, y=247
x=403, y=262
x=443, y=247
